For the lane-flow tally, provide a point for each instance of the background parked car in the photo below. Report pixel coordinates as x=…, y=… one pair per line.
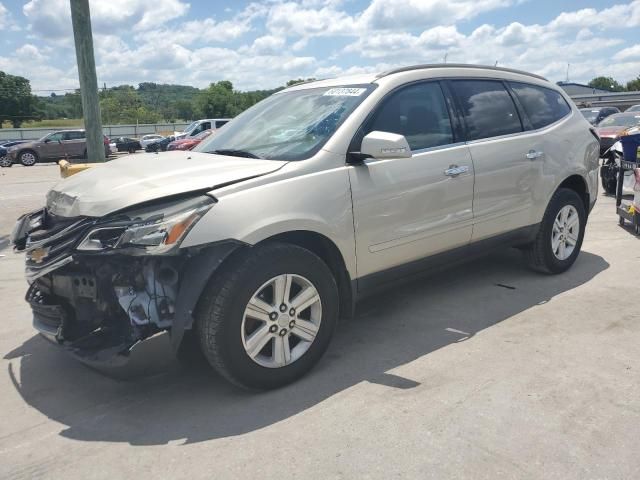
x=160, y=145
x=611, y=127
x=53, y=147
x=151, y=138
x=633, y=108
x=200, y=126
x=189, y=142
x=596, y=115
x=5, y=161
x=126, y=144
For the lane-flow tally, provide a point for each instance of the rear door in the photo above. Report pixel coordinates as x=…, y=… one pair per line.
x=505, y=176
x=409, y=208
x=74, y=144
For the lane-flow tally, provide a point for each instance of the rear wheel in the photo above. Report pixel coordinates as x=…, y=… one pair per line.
x=559, y=239
x=28, y=158
x=608, y=176
x=268, y=317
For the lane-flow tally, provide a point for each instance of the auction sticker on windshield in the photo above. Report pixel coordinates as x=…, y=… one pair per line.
x=345, y=92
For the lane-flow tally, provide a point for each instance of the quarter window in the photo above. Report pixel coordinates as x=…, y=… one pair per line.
x=418, y=112
x=487, y=108
x=542, y=105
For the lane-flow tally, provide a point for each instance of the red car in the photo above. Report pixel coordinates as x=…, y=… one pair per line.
x=189, y=142
x=611, y=127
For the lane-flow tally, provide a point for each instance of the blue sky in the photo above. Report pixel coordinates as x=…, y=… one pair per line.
x=262, y=44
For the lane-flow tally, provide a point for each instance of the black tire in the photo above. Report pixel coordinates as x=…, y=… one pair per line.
x=608, y=177
x=221, y=308
x=5, y=162
x=540, y=253
x=28, y=158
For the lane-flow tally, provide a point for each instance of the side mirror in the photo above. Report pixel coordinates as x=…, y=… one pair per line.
x=381, y=145
x=47, y=140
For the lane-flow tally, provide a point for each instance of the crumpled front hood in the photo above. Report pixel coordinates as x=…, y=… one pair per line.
x=134, y=179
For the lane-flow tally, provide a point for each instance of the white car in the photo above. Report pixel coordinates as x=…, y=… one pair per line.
x=251, y=246
x=200, y=126
x=148, y=139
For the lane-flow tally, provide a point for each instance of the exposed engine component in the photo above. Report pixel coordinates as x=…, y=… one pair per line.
x=151, y=300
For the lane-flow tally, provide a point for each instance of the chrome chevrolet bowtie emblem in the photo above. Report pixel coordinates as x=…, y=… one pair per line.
x=37, y=255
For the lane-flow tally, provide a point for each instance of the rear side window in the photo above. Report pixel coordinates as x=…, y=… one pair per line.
x=74, y=135
x=487, y=108
x=542, y=105
x=220, y=123
x=418, y=112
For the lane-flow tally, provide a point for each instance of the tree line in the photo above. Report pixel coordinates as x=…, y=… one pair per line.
x=125, y=104
x=154, y=102
x=610, y=84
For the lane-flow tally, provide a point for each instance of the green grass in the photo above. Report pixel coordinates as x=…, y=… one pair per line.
x=58, y=123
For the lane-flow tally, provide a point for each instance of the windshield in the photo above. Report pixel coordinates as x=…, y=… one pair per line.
x=620, y=121
x=635, y=108
x=191, y=127
x=290, y=125
x=590, y=115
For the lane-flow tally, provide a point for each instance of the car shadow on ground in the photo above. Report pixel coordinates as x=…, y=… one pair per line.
x=389, y=330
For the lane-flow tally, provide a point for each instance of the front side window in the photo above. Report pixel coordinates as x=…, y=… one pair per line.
x=418, y=112
x=542, y=105
x=290, y=125
x=55, y=137
x=487, y=108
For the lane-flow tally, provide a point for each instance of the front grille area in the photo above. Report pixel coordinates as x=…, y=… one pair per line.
x=50, y=246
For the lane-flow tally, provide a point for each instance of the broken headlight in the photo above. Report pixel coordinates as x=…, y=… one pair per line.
x=155, y=229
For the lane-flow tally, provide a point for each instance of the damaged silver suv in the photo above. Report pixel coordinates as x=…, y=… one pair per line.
x=251, y=246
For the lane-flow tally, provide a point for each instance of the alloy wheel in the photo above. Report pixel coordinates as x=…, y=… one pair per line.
x=281, y=321
x=565, y=232
x=27, y=159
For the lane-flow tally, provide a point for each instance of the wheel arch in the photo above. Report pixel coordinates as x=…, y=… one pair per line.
x=579, y=185
x=20, y=152
x=329, y=252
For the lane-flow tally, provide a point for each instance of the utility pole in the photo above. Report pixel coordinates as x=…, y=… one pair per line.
x=81, y=20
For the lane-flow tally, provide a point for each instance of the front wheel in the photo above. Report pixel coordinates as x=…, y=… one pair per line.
x=5, y=161
x=268, y=316
x=28, y=158
x=561, y=232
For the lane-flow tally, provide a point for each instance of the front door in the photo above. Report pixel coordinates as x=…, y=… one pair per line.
x=51, y=146
x=409, y=208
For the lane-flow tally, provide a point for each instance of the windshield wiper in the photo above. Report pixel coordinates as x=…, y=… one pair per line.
x=235, y=153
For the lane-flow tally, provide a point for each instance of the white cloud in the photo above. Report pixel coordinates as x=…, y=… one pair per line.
x=52, y=18
x=267, y=42
x=629, y=53
x=404, y=14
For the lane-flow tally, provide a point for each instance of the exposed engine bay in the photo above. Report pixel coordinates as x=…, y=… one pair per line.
x=102, y=303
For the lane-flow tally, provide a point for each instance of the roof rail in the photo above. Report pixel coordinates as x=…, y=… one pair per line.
x=456, y=65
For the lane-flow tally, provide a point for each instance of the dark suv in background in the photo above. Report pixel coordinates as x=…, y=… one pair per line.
x=52, y=147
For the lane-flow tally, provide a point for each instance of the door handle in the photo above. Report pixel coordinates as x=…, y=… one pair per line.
x=533, y=154
x=455, y=170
